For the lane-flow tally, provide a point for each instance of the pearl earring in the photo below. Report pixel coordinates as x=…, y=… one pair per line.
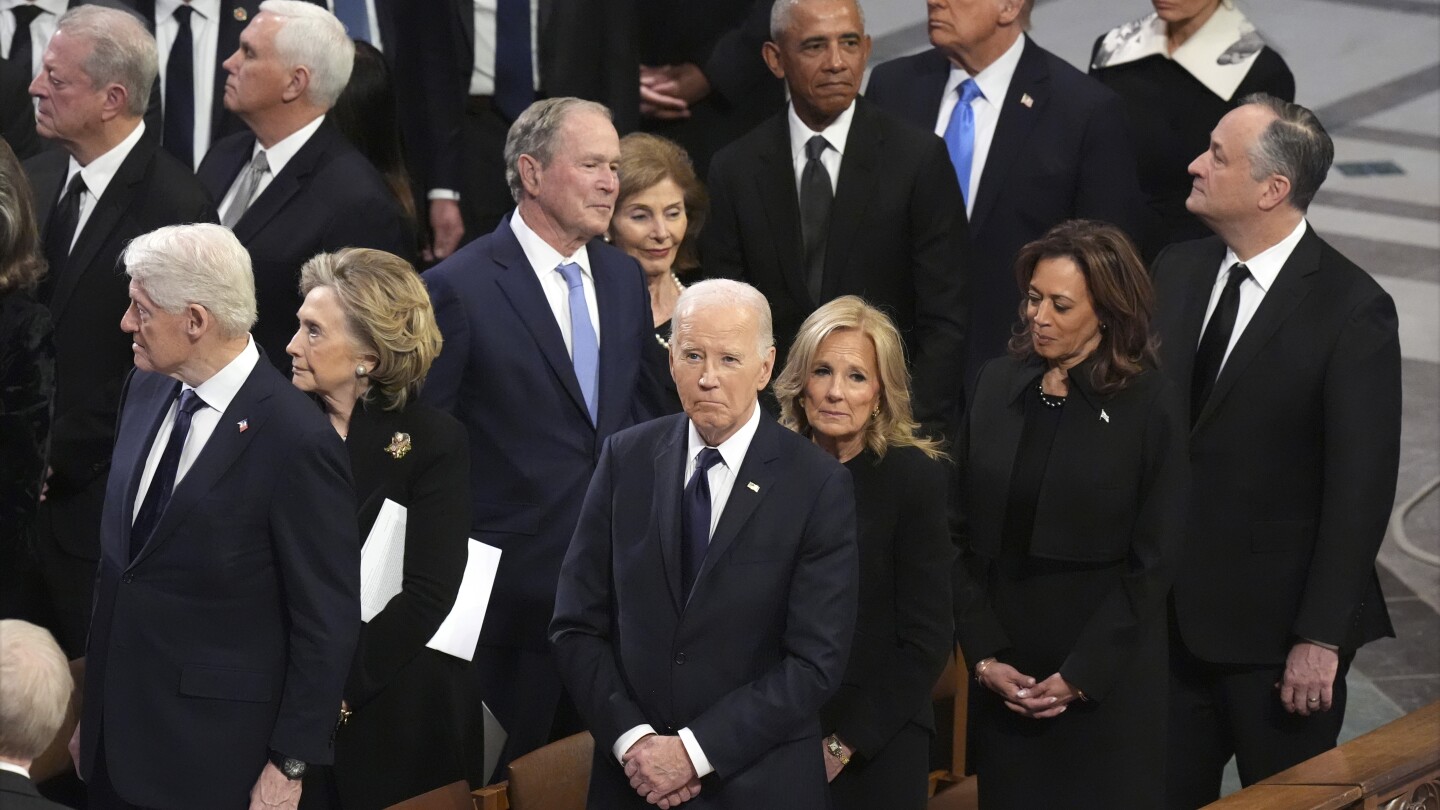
x=360, y=370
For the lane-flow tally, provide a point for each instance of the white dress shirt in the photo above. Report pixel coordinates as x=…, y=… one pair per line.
x=13, y=768
x=721, y=478
x=97, y=177
x=482, y=76
x=545, y=260
x=205, y=41
x=994, y=82
x=40, y=30
x=276, y=156
x=216, y=392
x=1264, y=267
x=836, y=135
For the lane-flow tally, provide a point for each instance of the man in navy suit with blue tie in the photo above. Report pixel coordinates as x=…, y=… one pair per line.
x=544, y=326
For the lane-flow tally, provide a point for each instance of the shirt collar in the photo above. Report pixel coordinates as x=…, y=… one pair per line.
x=102, y=169
x=836, y=134
x=223, y=385
x=994, y=80
x=543, y=258
x=733, y=449
x=207, y=9
x=286, y=148
x=1265, y=266
x=12, y=767
x=56, y=7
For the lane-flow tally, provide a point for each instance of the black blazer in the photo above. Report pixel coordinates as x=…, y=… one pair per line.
x=92, y=355
x=1294, y=456
x=760, y=644
x=231, y=631
x=897, y=237
x=19, y=793
x=327, y=197
x=1114, y=492
x=1064, y=155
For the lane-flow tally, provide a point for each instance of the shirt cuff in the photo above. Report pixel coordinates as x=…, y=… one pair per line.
x=442, y=194
x=697, y=755
x=1330, y=647
x=629, y=738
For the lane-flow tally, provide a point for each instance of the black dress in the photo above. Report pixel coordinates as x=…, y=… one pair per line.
x=903, y=632
x=27, y=393
x=1036, y=589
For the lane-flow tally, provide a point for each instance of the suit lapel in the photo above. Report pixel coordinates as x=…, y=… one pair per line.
x=929, y=87
x=224, y=447
x=775, y=183
x=752, y=484
x=286, y=184
x=610, y=288
x=522, y=290
x=859, y=174
x=665, y=513
x=132, y=449
x=1195, y=287
x=221, y=166
x=1017, y=119
x=1290, y=288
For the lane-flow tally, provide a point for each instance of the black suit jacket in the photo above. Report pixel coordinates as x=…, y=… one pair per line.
x=327, y=197
x=1294, y=455
x=746, y=662
x=233, y=628
x=19, y=793
x=897, y=237
x=1063, y=155
x=92, y=355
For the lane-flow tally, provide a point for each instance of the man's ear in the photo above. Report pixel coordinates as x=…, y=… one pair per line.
x=770, y=52
x=198, y=321
x=530, y=170
x=117, y=100
x=1276, y=191
x=298, y=83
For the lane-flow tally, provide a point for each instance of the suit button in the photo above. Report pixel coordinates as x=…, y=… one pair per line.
x=680, y=658
x=127, y=578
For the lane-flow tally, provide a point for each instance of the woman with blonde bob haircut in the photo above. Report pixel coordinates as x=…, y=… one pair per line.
x=366, y=340
x=845, y=385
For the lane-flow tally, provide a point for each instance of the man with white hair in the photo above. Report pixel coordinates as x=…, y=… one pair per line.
x=701, y=625
x=109, y=182
x=292, y=186
x=227, y=600
x=35, y=691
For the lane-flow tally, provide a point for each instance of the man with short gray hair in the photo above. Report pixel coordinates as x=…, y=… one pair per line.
x=545, y=328
x=35, y=688
x=1291, y=357
x=109, y=182
x=293, y=186
x=227, y=601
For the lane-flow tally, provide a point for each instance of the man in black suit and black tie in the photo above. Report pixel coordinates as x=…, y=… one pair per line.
x=1034, y=142
x=1290, y=356
x=291, y=186
x=833, y=196
x=108, y=183
x=35, y=686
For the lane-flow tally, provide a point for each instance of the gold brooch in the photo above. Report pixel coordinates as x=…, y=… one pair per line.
x=399, y=445
x=240, y=14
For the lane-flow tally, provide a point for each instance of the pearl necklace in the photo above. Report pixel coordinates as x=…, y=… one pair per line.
x=1046, y=399
x=665, y=344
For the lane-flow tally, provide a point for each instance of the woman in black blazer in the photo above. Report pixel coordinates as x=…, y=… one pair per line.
x=845, y=385
x=366, y=339
x=1073, y=470
x=1179, y=70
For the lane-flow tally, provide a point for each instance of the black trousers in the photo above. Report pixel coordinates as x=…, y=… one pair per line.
x=1223, y=710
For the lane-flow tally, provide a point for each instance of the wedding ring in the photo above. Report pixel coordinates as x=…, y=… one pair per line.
x=1313, y=700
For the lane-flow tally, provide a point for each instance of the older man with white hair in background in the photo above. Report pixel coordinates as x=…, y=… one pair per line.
x=292, y=186
x=35, y=691
x=227, y=601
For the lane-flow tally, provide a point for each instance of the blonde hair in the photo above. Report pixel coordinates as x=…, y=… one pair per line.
x=894, y=425
x=387, y=311
x=35, y=686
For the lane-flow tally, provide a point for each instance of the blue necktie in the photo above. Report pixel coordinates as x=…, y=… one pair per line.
x=960, y=135
x=514, y=87
x=355, y=16
x=163, y=482
x=585, y=348
x=695, y=519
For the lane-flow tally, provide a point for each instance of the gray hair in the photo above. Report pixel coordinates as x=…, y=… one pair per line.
x=35, y=686
x=313, y=37
x=537, y=129
x=724, y=292
x=203, y=264
x=1295, y=146
x=122, y=52
x=783, y=10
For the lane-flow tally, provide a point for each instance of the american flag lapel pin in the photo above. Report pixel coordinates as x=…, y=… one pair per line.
x=243, y=424
x=754, y=487
x=1027, y=100
x=1104, y=417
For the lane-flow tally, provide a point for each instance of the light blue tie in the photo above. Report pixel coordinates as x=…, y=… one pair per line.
x=355, y=16
x=960, y=135
x=585, y=349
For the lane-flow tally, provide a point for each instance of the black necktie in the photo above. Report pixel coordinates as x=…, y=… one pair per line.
x=514, y=86
x=695, y=519
x=180, y=92
x=163, y=482
x=816, y=195
x=22, y=53
x=1216, y=340
x=60, y=232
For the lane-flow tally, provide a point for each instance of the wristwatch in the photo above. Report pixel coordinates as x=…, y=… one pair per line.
x=832, y=744
x=292, y=768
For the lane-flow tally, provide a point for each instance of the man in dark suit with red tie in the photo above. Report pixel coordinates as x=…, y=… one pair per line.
x=1290, y=356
